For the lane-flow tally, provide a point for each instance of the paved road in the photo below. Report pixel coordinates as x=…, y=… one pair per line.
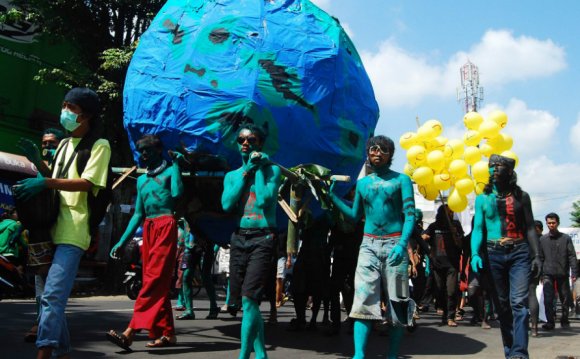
x=89, y=318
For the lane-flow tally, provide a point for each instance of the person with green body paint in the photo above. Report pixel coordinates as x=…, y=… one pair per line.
x=157, y=193
x=505, y=212
x=251, y=192
x=386, y=199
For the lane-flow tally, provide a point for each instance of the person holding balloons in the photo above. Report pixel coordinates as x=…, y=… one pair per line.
x=386, y=199
x=505, y=211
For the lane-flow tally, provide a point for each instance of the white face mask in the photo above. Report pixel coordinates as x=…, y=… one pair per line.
x=68, y=120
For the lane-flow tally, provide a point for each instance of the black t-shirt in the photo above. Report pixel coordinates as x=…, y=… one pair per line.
x=443, y=247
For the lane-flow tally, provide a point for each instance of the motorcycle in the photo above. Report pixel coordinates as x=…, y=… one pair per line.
x=11, y=279
x=134, y=272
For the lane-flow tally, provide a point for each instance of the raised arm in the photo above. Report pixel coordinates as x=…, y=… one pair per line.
x=353, y=213
x=176, y=181
x=266, y=184
x=234, y=183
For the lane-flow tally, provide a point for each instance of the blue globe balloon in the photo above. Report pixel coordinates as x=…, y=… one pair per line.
x=206, y=67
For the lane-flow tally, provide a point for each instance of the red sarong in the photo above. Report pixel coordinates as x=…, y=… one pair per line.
x=153, y=305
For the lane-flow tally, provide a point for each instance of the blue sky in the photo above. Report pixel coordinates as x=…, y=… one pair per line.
x=528, y=55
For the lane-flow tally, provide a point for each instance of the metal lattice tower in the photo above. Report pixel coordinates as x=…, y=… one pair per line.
x=470, y=94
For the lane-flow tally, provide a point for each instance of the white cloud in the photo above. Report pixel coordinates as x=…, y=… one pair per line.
x=575, y=135
x=323, y=4
x=552, y=187
x=531, y=129
x=347, y=29
x=401, y=78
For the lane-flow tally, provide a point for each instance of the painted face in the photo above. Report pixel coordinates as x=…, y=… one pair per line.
x=149, y=155
x=248, y=141
x=378, y=156
x=501, y=172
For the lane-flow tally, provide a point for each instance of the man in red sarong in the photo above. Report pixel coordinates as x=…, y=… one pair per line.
x=157, y=193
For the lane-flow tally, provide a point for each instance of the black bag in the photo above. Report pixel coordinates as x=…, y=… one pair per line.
x=98, y=204
x=39, y=213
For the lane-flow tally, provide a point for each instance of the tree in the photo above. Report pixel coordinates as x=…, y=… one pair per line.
x=104, y=34
x=575, y=214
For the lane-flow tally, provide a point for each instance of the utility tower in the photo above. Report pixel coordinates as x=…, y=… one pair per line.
x=470, y=94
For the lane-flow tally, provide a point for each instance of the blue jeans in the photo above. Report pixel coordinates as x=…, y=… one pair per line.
x=510, y=270
x=52, y=327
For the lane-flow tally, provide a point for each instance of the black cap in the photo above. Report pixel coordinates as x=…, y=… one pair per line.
x=506, y=161
x=85, y=98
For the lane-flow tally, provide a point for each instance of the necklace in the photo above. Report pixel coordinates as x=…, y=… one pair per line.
x=154, y=172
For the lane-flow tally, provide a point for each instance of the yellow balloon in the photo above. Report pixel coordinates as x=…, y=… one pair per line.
x=464, y=186
x=453, y=149
x=471, y=155
x=472, y=138
x=489, y=129
x=512, y=155
x=440, y=142
x=429, y=192
x=486, y=149
x=498, y=117
x=479, y=187
x=416, y=155
x=480, y=171
x=429, y=144
x=456, y=201
x=508, y=141
x=442, y=181
x=407, y=140
x=436, y=160
x=423, y=175
x=458, y=168
x=497, y=143
x=472, y=120
x=430, y=129
x=408, y=169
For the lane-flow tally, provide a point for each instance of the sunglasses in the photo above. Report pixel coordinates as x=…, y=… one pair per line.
x=252, y=140
x=377, y=149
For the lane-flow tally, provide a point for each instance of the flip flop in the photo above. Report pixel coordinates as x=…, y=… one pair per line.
x=120, y=340
x=161, y=343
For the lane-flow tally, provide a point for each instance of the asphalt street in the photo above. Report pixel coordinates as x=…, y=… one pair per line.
x=90, y=318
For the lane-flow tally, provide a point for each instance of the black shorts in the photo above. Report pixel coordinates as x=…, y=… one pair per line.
x=251, y=253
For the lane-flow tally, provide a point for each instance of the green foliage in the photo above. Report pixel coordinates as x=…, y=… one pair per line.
x=575, y=214
x=104, y=34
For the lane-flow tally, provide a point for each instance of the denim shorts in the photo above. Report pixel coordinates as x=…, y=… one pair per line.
x=374, y=276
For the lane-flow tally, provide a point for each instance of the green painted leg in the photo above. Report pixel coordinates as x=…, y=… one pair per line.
x=395, y=338
x=252, y=330
x=228, y=291
x=188, y=292
x=180, y=298
x=362, y=329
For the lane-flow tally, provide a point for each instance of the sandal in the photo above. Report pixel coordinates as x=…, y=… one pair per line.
x=451, y=323
x=185, y=316
x=162, y=342
x=120, y=340
x=31, y=335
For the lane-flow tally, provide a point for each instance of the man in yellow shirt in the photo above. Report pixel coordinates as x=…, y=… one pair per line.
x=70, y=234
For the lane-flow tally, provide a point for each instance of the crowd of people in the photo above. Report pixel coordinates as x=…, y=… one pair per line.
x=365, y=250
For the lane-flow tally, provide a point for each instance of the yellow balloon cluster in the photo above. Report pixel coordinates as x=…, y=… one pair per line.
x=436, y=163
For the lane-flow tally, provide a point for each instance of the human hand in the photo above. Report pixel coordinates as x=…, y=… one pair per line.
x=29, y=150
x=536, y=267
x=396, y=256
x=476, y=263
x=115, y=251
x=30, y=187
